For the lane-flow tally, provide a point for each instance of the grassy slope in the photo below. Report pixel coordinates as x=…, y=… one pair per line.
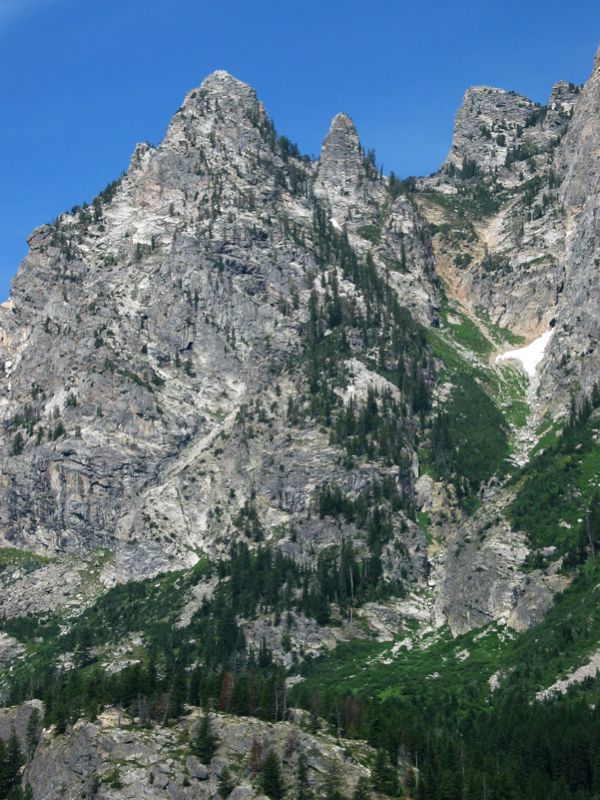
x=446, y=672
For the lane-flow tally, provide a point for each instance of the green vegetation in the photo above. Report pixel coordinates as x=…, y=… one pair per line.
x=11, y=761
x=434, y=700
x=467, y=333
x=272, y=776
x=556, y=488
x=195, y=663
x=204, y=742
x=370, y=232
x=24, y=560
x=475, y=199
x=434, y=671
x=452, y=674
x=496, y=333
x=471, y=433
x=430, y=703
x=511, y=392
x=469, y=440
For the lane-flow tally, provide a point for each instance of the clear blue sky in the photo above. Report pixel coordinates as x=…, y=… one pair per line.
x=81, y=81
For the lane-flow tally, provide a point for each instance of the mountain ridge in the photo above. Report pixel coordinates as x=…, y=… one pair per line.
x=256, y=435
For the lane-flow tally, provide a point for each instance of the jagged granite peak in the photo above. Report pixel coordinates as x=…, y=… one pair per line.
x=486, y=125
x=221, y=84
x=346, y=180
x=171, y=306
x=341, y=147
x=224, y=82
x=176, y=310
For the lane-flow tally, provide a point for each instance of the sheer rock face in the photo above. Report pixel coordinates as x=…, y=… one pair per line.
x=481, y=577
x=573, y=361
x=141, y=329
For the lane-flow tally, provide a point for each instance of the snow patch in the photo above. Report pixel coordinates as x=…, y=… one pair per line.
x=529, y=356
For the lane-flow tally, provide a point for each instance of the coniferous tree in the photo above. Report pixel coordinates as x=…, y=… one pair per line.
x=33, y=732
x=361, y=790
x=385, y=776
x=226, y=783
x=204, y=742
x=302, y=787
x=177, y=695
x=272, y=777
x=331, y=783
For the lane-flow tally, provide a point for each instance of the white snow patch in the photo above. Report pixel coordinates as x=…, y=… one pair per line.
x=335, y=224
x=529, y=356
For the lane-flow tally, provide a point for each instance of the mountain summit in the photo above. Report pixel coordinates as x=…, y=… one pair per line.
x=315, y=449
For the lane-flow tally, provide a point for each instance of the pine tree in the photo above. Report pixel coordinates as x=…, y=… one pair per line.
x=33, y=732
x=302, y=788
x=361, y=790
x=14, y=757
x=204, y=742
x=385, y=777
x=272, y=777
x=177, y=695
x=10, y=763
x=226, y=783
x=331, y=784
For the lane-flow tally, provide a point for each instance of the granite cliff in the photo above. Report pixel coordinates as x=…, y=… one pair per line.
x=254, y=415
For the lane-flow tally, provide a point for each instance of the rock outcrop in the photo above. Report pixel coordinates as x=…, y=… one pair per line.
x=108, y=759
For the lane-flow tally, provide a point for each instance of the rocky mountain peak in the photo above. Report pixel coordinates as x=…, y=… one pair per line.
x=344, y=174
x=341, y=151
x=223, y=114
x=222, y=81
x=221, y=84
x=342, y=126
x=488, y=123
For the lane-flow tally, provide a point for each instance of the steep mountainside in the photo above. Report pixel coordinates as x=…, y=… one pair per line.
x=207, y=317
x=260, y=455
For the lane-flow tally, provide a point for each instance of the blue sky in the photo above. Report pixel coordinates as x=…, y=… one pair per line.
x=82, y=81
